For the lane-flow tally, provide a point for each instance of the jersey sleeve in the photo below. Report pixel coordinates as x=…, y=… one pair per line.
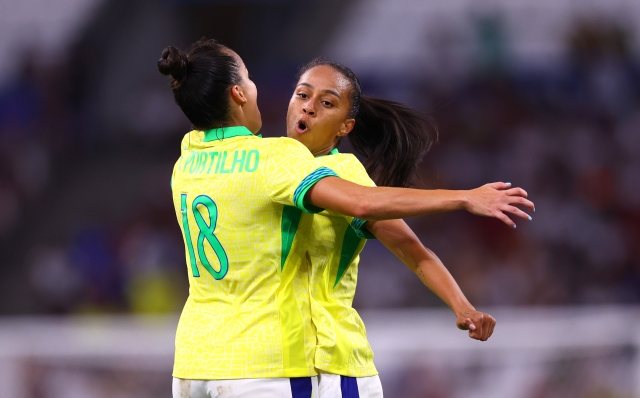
x=291, y=170
x=352, y=170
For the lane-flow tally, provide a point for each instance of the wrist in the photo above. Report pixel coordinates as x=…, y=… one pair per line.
x=461, y=200
x=461, y=309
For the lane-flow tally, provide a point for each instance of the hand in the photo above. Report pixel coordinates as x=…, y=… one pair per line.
x=496, y=199
x=479, y=324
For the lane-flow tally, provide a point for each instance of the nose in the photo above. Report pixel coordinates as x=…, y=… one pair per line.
x=308, y=110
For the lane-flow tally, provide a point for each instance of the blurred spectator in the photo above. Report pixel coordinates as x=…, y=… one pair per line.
x=153, y=266
x=54, y=280
x=571, y=138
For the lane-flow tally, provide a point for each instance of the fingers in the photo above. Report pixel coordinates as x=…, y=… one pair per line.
x=503, y=217
x=510, y=208
x=465, y=323
x=517, y=192
x=519, y=197
x=517, y=200
x=497, y=198
x=488, y=324
x=485, y=328
x=479, y=331
x=493, y=326
x=469, y=325
x=516, y=212
x=479, y=324
x=500, y=185
x=513, y=196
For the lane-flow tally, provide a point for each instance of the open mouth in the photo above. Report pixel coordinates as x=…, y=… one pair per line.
x=301, y=127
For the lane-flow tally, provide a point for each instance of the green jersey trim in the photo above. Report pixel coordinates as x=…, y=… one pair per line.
x=351, y=244
x=356, y=224
x=306, y=184
x=334, y=151
x=358, y=227
x=290, y=222
x=226, y=132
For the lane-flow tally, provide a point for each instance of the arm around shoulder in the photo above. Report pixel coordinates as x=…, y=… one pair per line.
x=381, y=203
x=384, y=203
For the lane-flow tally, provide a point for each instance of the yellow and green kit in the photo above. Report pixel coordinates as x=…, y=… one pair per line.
x=342, y=346
x=239, y=200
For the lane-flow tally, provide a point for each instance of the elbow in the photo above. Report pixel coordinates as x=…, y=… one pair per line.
x=364, y=210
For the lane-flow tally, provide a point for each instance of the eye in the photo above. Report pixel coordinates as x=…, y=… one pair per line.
x=327, y=104
x=303, y=95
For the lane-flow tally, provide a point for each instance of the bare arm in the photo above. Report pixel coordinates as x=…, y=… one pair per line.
x=383, y=203
x=401, y=241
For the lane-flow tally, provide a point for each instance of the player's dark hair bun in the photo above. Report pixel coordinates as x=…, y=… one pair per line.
x=201, y=78
x=173, y=62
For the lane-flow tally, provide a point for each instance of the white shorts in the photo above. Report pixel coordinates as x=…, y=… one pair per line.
x=336, y=386
x=297, y=387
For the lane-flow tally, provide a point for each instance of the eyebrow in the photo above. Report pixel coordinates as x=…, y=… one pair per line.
x=324, y=91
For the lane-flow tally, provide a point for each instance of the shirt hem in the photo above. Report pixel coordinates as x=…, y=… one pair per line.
x=365, y=371
x=256, y=374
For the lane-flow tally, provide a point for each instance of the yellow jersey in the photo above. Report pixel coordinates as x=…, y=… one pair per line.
x=239, y=200
x=334, y=251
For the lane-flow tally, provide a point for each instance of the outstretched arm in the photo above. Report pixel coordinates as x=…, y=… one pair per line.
x=383, y=203
x=401, y=241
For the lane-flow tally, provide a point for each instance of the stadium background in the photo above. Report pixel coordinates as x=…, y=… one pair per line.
x=543, y=94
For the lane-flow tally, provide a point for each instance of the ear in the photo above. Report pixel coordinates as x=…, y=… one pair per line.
x=237, y=95
x=346, y=127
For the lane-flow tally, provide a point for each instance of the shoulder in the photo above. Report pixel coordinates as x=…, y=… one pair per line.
x=286, y=143
x=348, y=167
x=351, y=161
x=190, y=139
x=284, y=147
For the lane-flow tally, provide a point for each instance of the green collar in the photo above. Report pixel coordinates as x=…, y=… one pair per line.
x=331, y=152
x=226, y=132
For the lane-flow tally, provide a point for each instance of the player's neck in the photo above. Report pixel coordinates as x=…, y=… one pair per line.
x=323, y=151
x=237, y=117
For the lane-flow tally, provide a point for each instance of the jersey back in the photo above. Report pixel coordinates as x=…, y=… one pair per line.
x=239, y=201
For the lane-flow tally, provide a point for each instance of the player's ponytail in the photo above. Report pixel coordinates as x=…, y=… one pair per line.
x=391, y=136
x=201, y=78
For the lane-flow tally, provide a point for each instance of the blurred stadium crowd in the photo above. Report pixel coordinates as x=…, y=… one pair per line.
x=571, y=137
x=87, y=224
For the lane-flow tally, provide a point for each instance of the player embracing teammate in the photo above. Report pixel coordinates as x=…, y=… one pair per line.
x=245, y=205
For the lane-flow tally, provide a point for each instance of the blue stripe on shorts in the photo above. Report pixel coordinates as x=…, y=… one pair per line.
x=349, y=387
x=300, y=387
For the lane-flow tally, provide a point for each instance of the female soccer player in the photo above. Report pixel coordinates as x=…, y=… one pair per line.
x=327, y=105
x=245, y=330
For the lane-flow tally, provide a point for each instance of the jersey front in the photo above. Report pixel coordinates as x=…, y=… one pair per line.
x=336, y=242
x=239, y=200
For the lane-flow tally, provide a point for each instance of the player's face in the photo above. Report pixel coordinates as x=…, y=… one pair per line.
x=251, y=111
x=319, y=108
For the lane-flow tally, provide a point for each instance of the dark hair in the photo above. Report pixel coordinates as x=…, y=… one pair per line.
x=391, y=136
x=201, y=79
